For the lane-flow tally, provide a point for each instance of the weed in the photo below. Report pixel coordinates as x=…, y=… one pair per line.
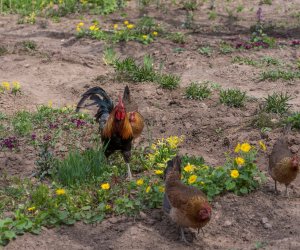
x=277, y=74
x=205, y=50
x=233, y=97
x=198, y=92
x=226, y=48
x=29, y=45
x=177, y=37
x=190, y=5
x=147, y=25
x=212, y=15
x=263, y=120
x=244, y=60
x=278, y=103
x=3, y=50
x=109, y=56
x=267, y=2
x=168, y=81
x=267, y=60
x=294, y=120
x=22, y=123
x=46, y=162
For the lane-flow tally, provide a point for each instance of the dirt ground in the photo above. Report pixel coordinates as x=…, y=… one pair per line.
x=63, y=67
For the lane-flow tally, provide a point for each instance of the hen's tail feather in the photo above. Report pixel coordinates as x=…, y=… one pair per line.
x=166, y=204
x=100, y=98
x=126, y=95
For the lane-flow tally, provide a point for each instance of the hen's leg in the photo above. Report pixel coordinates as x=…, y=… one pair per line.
x=127, y=156
x=183, y=236
x=129, y=175
x=286, y=191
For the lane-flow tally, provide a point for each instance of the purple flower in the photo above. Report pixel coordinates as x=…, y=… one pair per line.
x=47, y=137
x=295, y=42
x=259, y=15
x=78, y=122
x=10, y=142
x=53, y=126
x=33, y=137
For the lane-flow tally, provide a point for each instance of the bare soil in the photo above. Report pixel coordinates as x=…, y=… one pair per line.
x=63, y=67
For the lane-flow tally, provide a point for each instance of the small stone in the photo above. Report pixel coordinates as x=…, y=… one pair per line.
x=159, y=92
x=227, y=223
x=267, y=226
x=143, y=215
x=294, y=149
x=27, y=65
x=264, y=220
x=203, y=105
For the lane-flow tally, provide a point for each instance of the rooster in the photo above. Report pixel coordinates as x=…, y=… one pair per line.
x=118, y=124
x=186, y=205
x=283, y=165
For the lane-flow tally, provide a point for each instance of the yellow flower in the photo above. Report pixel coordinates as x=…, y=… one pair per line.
x=130, y=26
x=115, y=26
x=78, y=29
x=158, y=172
x=189, y=168
x=205, y=167
x=50, y=104
x=245, y=147
x=174, y=141
x=64, y=109
x=6, y=85
x=145, y=37
x=161, y=165
x=262, y=145
x=234, y=174
x=60, y=191
x=16, y=86
x=105, y=186
x=202, y=183
x=161, y=189
x=80, y=24
x=237, y=148
x=94, y=28
x=31, y=209
x=154, y=33
x=148, y=189
x=151, y=157
x=126, y=22
x=108, y=207
x=140, y=182
x=240, y=161
x=192, y=179
x=153, y=146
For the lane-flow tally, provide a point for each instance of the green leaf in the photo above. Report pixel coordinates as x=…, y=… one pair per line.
x=244, y=190
x=230, y=185
x=85, y=208
x=10, y=235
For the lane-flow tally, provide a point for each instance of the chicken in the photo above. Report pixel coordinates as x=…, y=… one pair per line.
x=186, y=205
x=283, y=165
x=118, y=124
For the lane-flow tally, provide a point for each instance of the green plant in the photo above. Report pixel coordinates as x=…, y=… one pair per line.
x=29, y=45
x=244, y=60
x=278, y=103
x=79, y=168
x=268, y=2
x=212, y=15
x=275, y=75
x=205, y=50
x=190, y=5
x=22, y=123
x=294, y=120
x=3, y=50
x=268, y=60
x=177, y=37
x=199, y=92
x=233, y=97
x=226, y=48
x=168, y=81
x=109, y=56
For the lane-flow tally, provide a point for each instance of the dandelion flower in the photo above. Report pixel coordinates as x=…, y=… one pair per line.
x=237, y=148
x=94, y=28
x=154, y=33
x=158, y=172
x=234, y=174
x=126, y=22
x=50, y=104
x=240, y=161
x=189, y=168
x=262, y=145
x=140, y=182
x=202, y=183
x=80, y=24
x=145, y=37
x=153, y=146
x=31, y=209
x=148, y=189
x=130, y=26
x=161, y=189
x=108, y=207
x=192, y=179
x=245, y=147
x=60, y=191
x=105, y=186
x=6, y=85
x=174, y=140
x=16, y=86
x=116, y=26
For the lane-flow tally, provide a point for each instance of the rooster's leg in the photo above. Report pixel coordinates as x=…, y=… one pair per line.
x=183, y=236
x=129, y=172
x=286, y=191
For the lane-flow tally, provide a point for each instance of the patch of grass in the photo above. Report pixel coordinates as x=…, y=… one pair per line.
x=212, y=15
x=190, y=5
x=109, y=56
x=29, y=45
x=274, y=75
x=79, y=168
x=22, y=123
x=226, y=48
x=268, y=60
x=267, y=2
x=198, y=91
x=177, y=37
x=3, y=50
x=168, y=81
x=294, y=120
x=278, y=103
x=233, y=97
x=206, y=51
x=244, y=60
